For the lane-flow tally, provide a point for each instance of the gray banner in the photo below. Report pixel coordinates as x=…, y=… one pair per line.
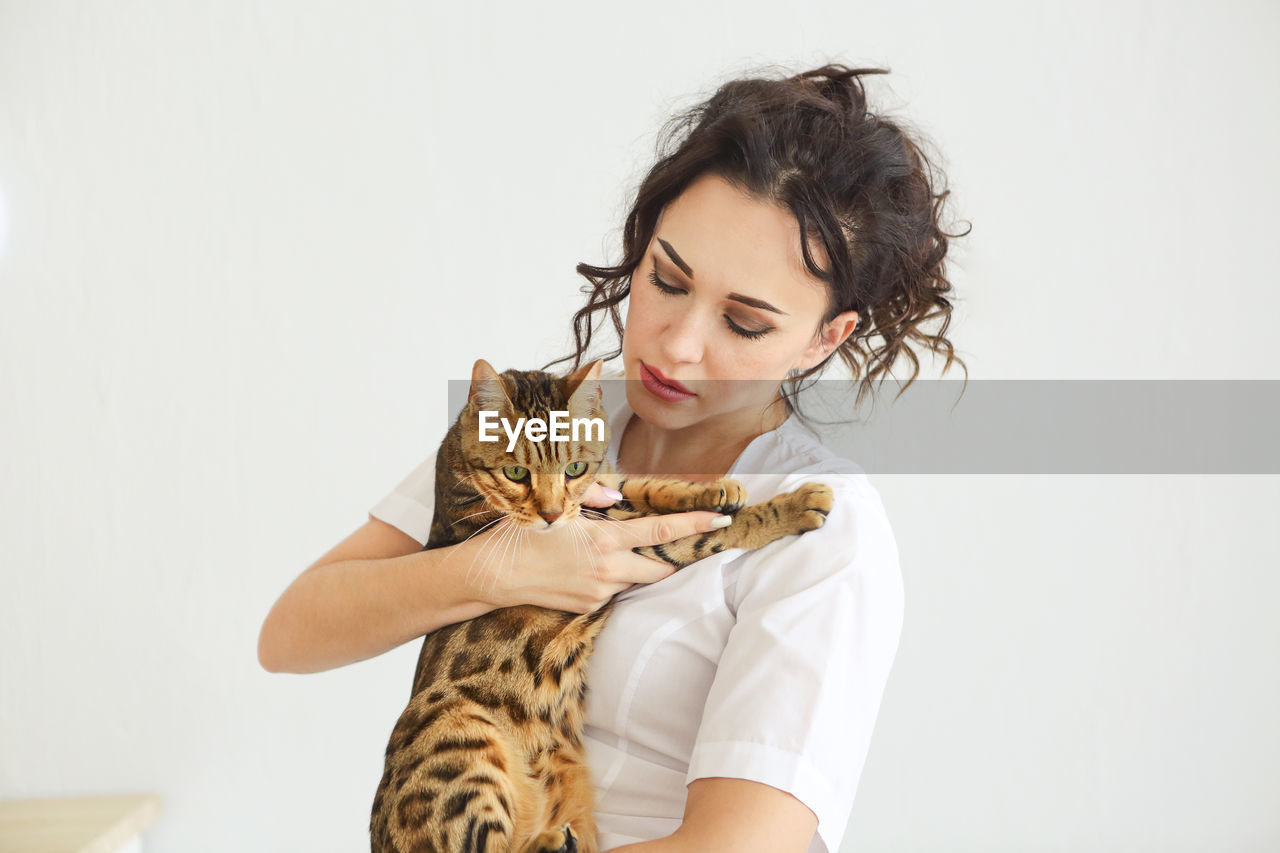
x=1033, y=426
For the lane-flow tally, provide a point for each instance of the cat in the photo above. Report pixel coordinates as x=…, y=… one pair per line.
x=488, y=754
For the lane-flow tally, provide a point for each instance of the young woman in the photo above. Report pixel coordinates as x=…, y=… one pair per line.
x=732, y=703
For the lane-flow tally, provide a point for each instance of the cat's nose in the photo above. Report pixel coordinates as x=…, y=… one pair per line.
x=551, y=515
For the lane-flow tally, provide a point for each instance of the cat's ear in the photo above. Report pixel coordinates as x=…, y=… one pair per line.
x=487, y=393
x=585, y=385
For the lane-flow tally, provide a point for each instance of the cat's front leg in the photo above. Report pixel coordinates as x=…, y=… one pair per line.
x=754, y=526
x=662, y=495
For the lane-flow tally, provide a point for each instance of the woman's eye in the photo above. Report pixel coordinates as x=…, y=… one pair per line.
x=662, y=285
x=746, y=333
x=516, y=473
x=575, y=469
x=733, y=327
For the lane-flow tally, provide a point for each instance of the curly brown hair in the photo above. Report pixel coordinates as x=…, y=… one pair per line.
x=855, y=181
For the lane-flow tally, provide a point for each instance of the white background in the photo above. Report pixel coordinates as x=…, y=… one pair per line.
x=243, y=245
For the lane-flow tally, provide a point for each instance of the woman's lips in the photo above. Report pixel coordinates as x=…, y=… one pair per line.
x=667, y=389
x=670, y=383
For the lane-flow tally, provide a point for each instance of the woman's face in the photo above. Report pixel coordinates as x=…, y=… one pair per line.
x=731, y=311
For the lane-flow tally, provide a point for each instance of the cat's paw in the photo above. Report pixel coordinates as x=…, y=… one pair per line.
x=561, y=840
x=723, y=495
x=810, y=504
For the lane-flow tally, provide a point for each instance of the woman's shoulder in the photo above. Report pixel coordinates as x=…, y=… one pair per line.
x=806, y=450
x=851, y=561
x=799, y=455
x=857, y=525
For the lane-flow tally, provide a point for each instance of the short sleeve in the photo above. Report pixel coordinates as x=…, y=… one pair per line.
x=411, y=505
x=798, y=687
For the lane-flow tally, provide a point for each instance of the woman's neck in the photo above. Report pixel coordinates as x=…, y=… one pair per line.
x=703, y=451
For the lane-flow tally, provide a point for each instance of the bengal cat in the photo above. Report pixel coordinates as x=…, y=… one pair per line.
x=488, y=754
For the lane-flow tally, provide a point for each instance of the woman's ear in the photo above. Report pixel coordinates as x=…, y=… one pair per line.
x=828, y=339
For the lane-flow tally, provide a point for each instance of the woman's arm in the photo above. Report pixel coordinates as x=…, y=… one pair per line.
x=378, y=589
x=375, y=590
x=736, y=816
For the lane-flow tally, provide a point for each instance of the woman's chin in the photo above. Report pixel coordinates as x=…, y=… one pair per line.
x=661, y=413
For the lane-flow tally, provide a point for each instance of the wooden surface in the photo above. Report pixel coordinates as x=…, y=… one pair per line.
x=75, y=824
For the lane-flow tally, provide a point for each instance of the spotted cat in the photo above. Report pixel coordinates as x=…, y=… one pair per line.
x=488, y=754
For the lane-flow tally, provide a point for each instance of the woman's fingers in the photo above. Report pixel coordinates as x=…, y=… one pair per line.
x=623, y=567
x=636, y=569
x=629, y=567
x=660, y=529
x=598, y=496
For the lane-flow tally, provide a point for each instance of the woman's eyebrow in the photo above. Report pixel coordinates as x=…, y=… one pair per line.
x=736, y=297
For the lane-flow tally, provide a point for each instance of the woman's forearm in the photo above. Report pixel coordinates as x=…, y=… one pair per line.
x=345, y=611
x=352, y=610
x=731, y=815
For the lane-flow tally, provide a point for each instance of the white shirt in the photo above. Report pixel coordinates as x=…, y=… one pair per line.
x=766, y=665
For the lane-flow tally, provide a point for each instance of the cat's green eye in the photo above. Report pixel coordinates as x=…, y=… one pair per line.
x=575, y=469
x=515, y=472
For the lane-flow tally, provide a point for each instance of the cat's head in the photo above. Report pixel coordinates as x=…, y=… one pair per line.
x=539, y=477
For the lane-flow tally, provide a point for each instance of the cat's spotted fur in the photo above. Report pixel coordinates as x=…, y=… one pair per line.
x=487, y=755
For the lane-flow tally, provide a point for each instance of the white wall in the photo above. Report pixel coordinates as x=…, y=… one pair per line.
x=243, y=246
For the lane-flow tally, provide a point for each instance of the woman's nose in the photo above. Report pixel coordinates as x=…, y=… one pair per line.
x=682, y=341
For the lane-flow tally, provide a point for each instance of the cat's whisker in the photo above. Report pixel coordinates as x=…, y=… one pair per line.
x=492, y=567
x=493, y=562
x=595, y=512
x=503, y=517
x=495, y=571
x=521, y=534
x=596, y=515
x=516, y=542
x=595, y=573
x=578, y=535
x=467, y=478
x=605, y=530
x=574, y=539
x=470, y=573
x=490, y=524
x=473, y=515
x=489, y=546
x=512, y=537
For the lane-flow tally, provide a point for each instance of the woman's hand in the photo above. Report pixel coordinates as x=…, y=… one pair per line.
x=579, y=567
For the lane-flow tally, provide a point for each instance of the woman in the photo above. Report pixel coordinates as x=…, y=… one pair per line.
x=753, y=678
